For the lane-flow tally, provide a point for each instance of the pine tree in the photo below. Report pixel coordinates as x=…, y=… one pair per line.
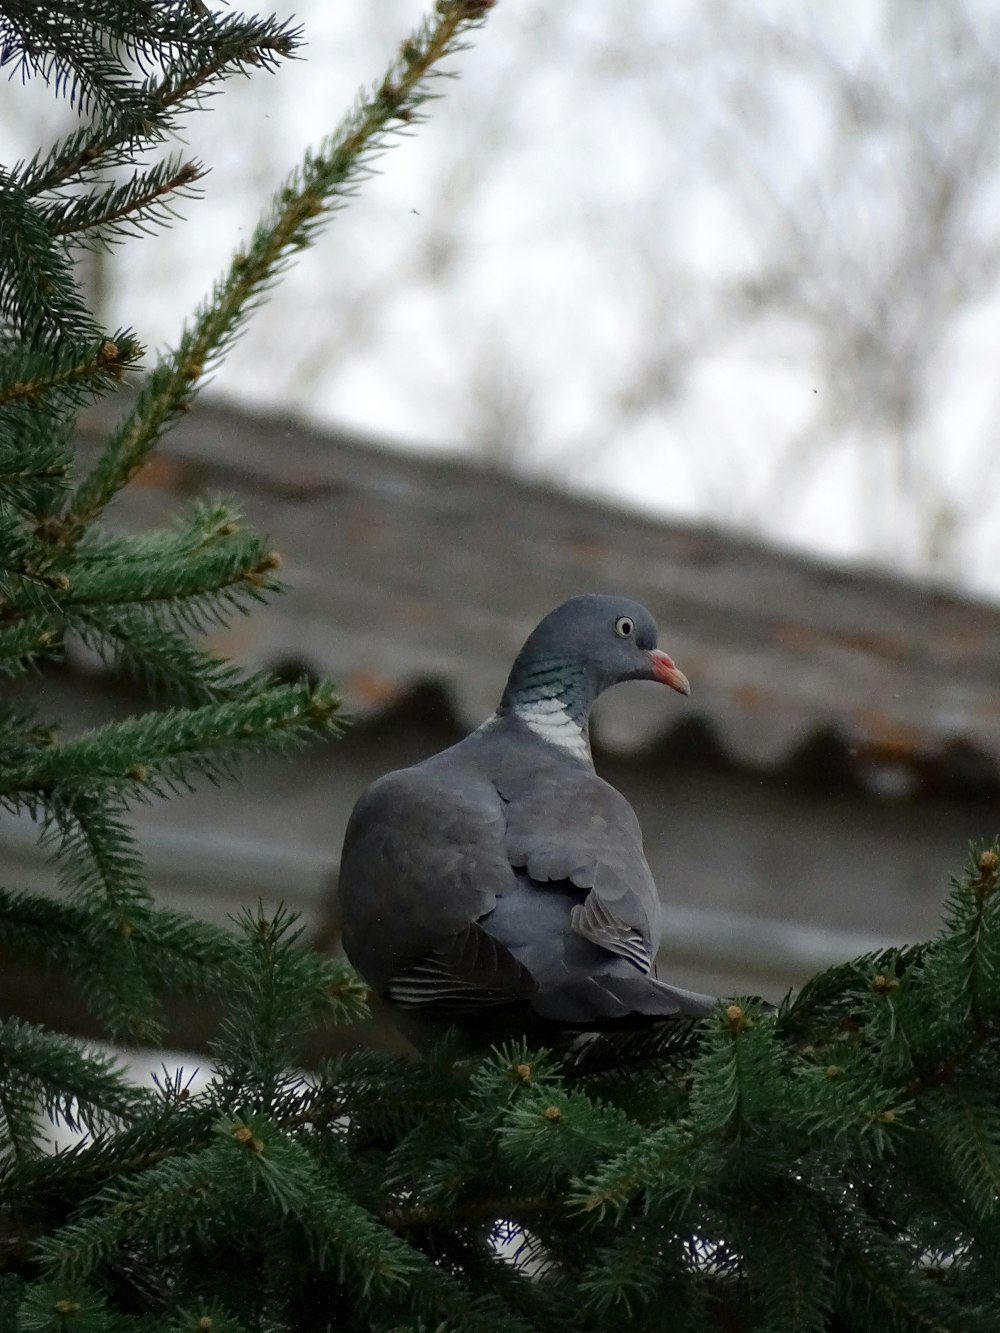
x=833, y=1167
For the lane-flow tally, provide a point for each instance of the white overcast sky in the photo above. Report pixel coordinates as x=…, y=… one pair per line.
x=562, y=212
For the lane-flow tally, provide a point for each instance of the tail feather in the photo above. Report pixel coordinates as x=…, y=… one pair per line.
x=617, y=999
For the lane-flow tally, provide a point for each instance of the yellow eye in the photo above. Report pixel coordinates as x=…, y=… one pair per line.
x=624, y=626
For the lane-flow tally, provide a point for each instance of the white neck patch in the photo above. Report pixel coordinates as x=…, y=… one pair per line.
x=549, y=719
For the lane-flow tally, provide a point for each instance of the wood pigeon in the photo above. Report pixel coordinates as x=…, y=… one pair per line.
x=502, y=884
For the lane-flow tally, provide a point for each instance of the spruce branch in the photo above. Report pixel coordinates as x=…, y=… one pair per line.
x=29, y=585
x=96, y=849
x=209, y=530
x=129, y=209
x=183, y=1191
x=34, y=435
x=339, y=1231
x=23, y=474
x=17, y=549
x=18, y=1119
x=12, y=1293
x=970, y=954
x=100, y=867
x=629, y=1275
x=737, y=1076
x=26, y=644
x=829, y=1001
x=208, y=521
x=382, y=1096
x=171, y=949
x=654, y=1163
x=318, y=188
x=966, y=1124
x=229, y=46
x=887, y=1279
x=173, y=1122
x=53, y=1306
x=21, y=734
x=39, y=297
x=184, y=579
x=789, y=1259
x=85, y=1090
x=84, y=47
x=277, y=992
x=63, y=46
x=554, y=1137
x=33, y=374
x=164, y=659
x=160, y=753
x=604, y=1060
x=206, y=1315
x=196, y=589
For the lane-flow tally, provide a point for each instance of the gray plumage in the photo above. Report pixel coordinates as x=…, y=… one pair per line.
x=502, y=879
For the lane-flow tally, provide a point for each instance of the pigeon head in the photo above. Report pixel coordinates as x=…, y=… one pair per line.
x=584, y=646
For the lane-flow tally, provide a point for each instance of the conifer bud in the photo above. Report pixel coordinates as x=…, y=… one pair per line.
x=48, y=530
x=110, y=357
x=66, y=1307
x=884, y=984
x=552, y=1113
x=247, y=1138
x=468, y=9
x=322, y=706
x=257, y=575
x=388, y=94
x=522, y=1072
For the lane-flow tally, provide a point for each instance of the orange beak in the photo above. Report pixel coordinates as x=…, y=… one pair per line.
x=668, y=674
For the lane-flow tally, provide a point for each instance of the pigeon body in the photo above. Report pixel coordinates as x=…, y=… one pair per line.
x=502, y=883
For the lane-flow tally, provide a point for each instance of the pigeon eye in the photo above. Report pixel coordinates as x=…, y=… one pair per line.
x=624, y=626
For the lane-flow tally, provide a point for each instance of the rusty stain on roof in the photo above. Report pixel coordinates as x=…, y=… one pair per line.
x=796, y=638
x=376, y=691
x=752, y=697
x=160, y=472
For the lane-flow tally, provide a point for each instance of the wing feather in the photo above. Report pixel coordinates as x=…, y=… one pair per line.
x=589, y=836
x=473, y=971
x=595, y=921
x=423, y=858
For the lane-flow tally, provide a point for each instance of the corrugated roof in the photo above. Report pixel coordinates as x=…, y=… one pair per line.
x=405, y=567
